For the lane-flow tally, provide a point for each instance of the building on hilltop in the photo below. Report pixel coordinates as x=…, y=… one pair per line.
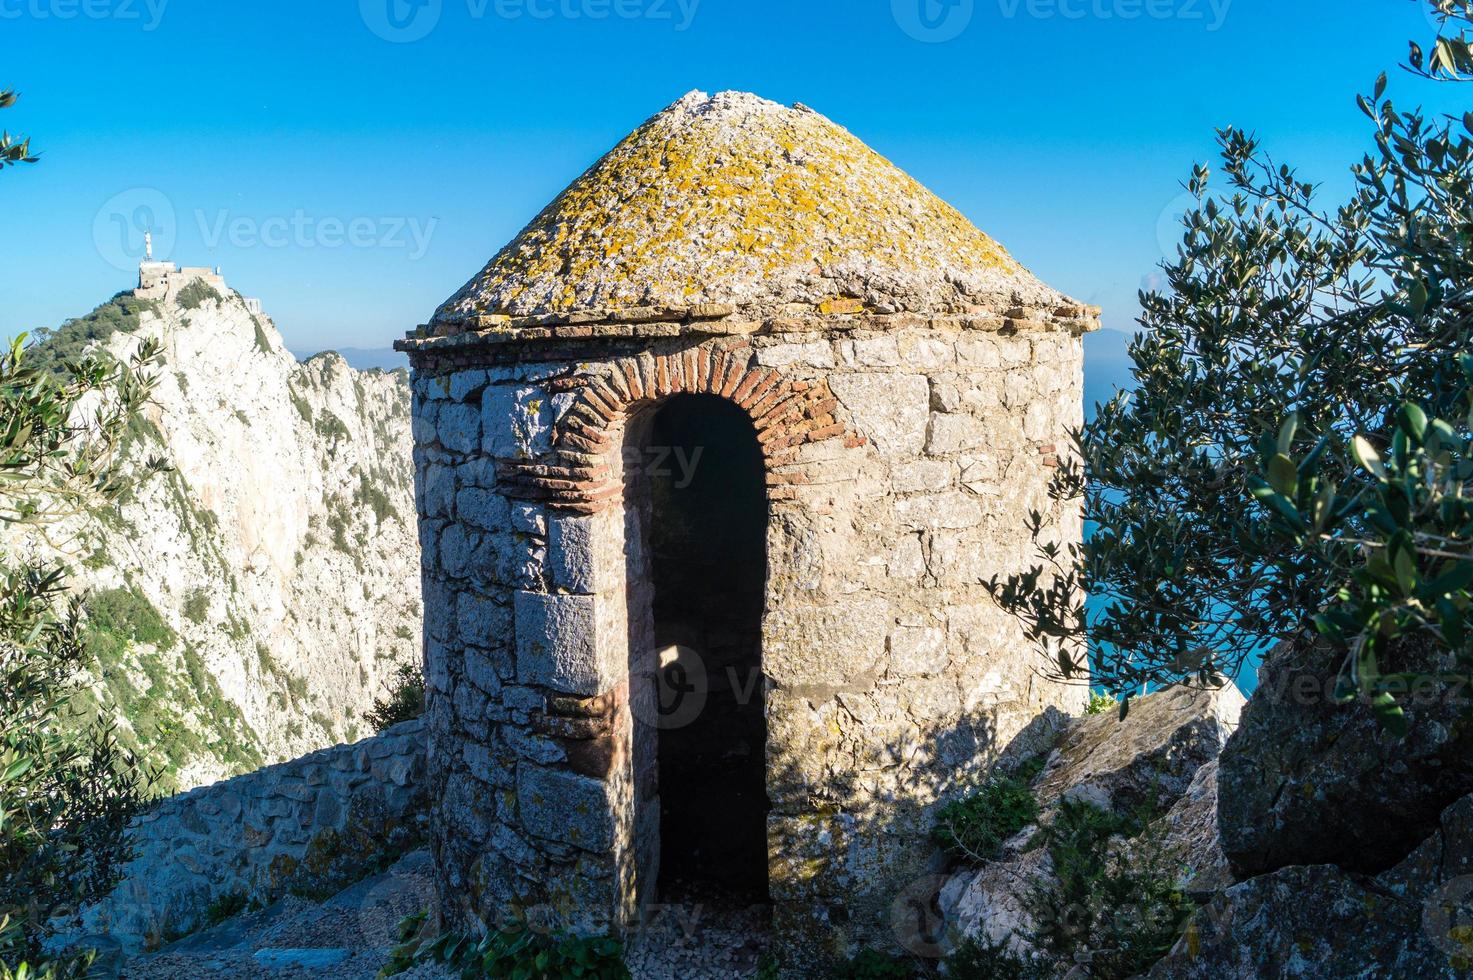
x=160, y=280
x=714, y=460
x=157, y=279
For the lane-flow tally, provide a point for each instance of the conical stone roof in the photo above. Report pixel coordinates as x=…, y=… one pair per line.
x=732, y=199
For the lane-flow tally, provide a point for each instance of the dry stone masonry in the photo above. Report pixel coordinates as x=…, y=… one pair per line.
x=735, y=281
x=309, y=826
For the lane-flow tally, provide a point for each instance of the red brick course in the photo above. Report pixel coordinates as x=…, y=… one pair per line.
x=786, y=414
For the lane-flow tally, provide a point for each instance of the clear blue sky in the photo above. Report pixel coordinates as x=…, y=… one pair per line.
x=291, y=144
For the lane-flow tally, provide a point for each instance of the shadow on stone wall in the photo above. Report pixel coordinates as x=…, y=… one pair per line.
x=308, y=827
x=851, y=861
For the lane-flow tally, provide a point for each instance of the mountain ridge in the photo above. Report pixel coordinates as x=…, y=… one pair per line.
x=248, y=606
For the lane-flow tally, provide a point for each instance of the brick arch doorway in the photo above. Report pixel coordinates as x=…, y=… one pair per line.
x=696, y=503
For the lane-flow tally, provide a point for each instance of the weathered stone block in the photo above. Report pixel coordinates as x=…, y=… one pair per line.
x=467, y=386
x=570, y=559
x=816, y=650
x=558, y=644
x=483, y=508
x=870, y=352
x=459, y=427
x=956, y=433
x=566, y=807
x=585, y=553
x=890, y=409
x=918, y=650
x=458, y=546
x=542, y=751
x=423, y=422
x=529, y=519
x=482, y=622
x=439, y=606
x=437, y=490
x=952, y=511
x=437, y=666
x=487, y=766
x=477, y=471
x=815, y=354
x=927, y=350
x=922, y=474
x=518, y=421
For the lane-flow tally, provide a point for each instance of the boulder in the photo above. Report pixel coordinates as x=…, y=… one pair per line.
x=1438, y=876
x=1149, y=762
x=1187, y=837
x=1307, y=781
x=1308, y=923
x=991, y=902
x=1444, y=857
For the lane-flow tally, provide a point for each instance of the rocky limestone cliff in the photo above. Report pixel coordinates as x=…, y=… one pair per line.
x=249, y=606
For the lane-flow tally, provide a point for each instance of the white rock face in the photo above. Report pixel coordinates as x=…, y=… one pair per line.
x=280, y=554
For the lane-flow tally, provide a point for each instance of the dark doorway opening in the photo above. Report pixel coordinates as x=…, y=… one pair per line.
x=708, y=557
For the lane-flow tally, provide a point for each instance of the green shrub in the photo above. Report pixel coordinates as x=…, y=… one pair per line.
x=67, y=788
x=263, y=342
x=194, y=295
x=873, y=965
x=405, y=700
x=370, y=495
x=124, y=614
x=227, y=906
x=1120, y=904
x=1235, y=493
x=72, y=340
x=197, y=606
x=303, y=409
x=974, y=827
x=981, y=959
x=1100, y=704
x=330, y=427
x=513, y=951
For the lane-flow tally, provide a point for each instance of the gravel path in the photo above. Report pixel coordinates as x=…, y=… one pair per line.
x=349, y=937
x=709, y=941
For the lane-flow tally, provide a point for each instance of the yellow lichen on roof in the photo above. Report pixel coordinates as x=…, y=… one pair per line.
x=734, y=199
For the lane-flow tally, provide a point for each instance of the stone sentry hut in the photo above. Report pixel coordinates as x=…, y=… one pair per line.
x=713, y=461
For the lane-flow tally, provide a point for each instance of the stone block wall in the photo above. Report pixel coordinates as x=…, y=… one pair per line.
x=903, y=456
x=310, y=826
